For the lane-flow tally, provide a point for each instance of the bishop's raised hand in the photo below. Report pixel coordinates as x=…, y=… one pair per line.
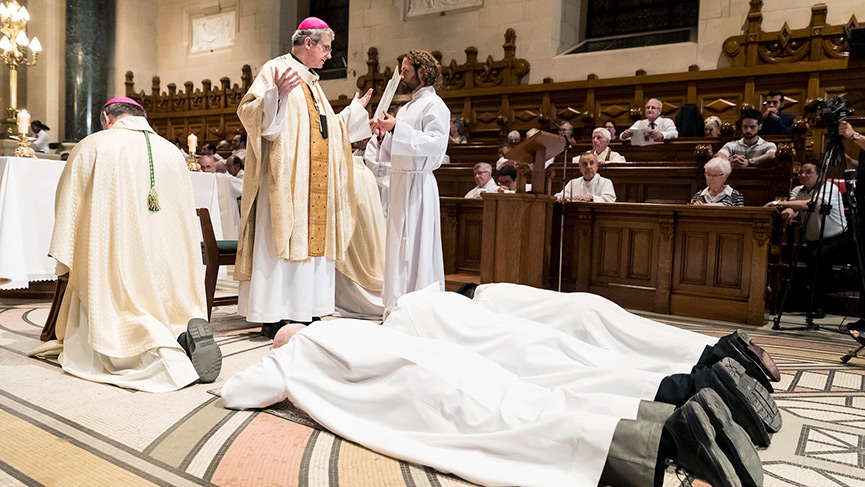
x=286, y=81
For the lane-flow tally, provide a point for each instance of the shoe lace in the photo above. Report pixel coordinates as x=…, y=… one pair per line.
x=685, y=479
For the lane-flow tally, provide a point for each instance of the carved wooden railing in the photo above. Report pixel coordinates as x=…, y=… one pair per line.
x=209, y=112
x=816, y=42
x=505, y=72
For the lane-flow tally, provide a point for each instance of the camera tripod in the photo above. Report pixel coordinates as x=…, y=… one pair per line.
x=822, y=194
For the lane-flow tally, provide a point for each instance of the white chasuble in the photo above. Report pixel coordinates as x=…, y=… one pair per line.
x=135, y=275
x=430, y=402
x=598, y=321
x=415, y=148
x=278, y=278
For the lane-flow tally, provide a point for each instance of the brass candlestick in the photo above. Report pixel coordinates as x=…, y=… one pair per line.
x=16, y=49
x=24, y=149
x=192, y=163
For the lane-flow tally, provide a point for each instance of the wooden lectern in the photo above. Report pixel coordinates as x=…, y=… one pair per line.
x=517, y=228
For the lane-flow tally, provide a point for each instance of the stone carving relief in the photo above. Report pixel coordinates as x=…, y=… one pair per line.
x=417, y=8
x=213, y=31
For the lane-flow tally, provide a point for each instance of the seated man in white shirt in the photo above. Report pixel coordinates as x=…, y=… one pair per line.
x=591, y=186
x=661, y=128
x=751, y=149
x=600, y=147
x=484, y=181
x=835, y=247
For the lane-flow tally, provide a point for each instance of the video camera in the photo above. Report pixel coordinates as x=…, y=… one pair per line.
x=832, y=111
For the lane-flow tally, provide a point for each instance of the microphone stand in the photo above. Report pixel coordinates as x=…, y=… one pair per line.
x=562, y=225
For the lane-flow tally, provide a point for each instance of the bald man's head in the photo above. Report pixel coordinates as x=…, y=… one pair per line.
x=285, y=333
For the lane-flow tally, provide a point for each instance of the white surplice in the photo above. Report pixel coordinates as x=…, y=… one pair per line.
x=415, y=148
x=538, y=354
x=229, y=188
x=599, y=322
x=135, y=275
x=281, y=289
x=430, y=402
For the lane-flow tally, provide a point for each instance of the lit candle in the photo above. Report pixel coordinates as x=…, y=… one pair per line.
x=192, y=141
x=23, y=122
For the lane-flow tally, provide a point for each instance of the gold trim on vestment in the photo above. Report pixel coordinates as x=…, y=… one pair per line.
x=318, y=163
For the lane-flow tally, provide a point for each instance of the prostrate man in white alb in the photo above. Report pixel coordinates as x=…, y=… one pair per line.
x=601, y=147
x=469, y=416
x=298, y=202
x=591, y=186
x=483, y=180
x=660, y=128
x=414, y=143
x=125, y=229
x=751, y=149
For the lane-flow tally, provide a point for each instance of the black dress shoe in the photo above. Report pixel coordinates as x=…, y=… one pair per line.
x=857, y=325
x=468, y=290
x=269, y=329
x=732, y=439
x=202, y=349
x=752, y=367
x=696, y=449
x=749, y=402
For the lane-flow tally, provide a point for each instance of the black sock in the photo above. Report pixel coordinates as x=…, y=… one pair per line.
x=666, y=450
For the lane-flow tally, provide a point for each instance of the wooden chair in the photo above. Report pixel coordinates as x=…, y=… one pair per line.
x=214, y=253
x=51, y=322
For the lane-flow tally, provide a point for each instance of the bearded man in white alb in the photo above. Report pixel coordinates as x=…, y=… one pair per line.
x=297, y=214
x=414, y=142
x=125, y=229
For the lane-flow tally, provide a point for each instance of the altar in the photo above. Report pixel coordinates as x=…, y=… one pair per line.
x=27, y=188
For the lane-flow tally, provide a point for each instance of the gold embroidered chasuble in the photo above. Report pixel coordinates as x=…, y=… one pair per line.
x=312, y=195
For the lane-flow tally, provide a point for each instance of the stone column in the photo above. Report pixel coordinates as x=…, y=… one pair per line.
x=90, y=27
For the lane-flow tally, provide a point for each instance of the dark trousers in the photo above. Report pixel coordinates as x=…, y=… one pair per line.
x=834, y=250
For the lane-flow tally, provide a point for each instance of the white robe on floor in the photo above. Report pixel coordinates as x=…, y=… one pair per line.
x=281, y=289
x=430, y=402
x=415, y=148
x=536, y=353
x=597, y=321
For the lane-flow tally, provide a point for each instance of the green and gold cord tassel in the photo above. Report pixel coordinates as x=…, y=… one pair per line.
x=152, y=197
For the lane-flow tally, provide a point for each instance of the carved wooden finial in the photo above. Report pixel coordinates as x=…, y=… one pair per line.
x=755, y=6
x=154, y=87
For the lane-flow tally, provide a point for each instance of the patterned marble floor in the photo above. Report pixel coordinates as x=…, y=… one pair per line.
x=59, y=430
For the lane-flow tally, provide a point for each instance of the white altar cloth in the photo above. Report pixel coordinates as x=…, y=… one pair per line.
x=27, y=188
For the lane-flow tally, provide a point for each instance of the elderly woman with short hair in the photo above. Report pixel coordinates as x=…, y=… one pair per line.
x=718, y=192
x=713, y=126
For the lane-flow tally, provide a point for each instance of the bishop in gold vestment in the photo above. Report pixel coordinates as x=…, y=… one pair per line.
x=297, y=214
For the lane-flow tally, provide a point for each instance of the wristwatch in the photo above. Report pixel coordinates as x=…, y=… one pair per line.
x=750, y=162
x=856, y=136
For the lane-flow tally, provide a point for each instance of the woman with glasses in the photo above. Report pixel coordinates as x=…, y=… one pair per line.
x=718, y=192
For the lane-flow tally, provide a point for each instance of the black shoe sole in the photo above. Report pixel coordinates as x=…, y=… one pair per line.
x=269, y=329
x=732, y=439
x=709, y=461
x=748, y=397
x=752, y=368
x=203, y=350
x=758, y=355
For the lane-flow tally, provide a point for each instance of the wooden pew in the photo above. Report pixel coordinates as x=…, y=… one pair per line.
x=708, y=262
x=686, y=260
